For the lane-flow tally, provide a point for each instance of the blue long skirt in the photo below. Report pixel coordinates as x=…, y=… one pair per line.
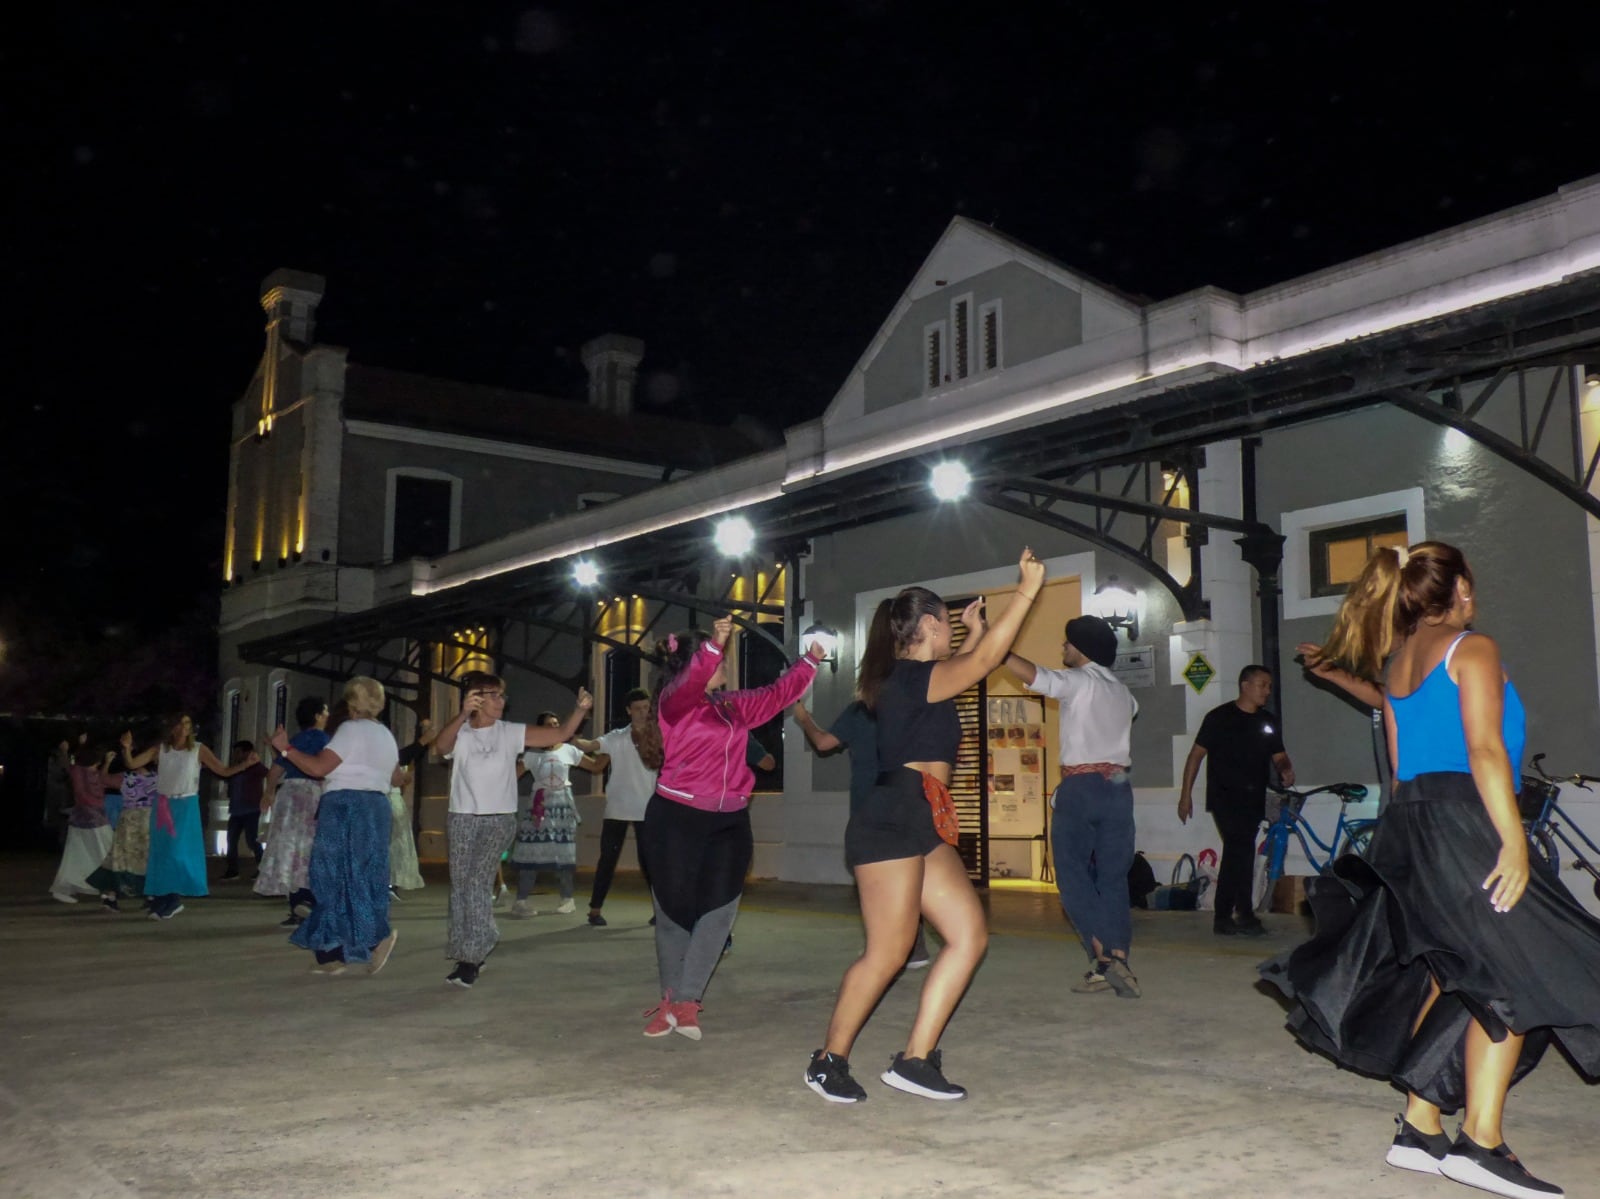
x=349, y=876
x=177, y=864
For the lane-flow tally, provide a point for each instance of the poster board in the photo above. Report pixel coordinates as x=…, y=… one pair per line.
x=1016, y=760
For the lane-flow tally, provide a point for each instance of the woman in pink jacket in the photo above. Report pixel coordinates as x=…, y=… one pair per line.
x=696, y=840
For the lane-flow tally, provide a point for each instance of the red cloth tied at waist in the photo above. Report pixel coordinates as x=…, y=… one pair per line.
x=164, y=820
x=1107, y=769
x=945, y=821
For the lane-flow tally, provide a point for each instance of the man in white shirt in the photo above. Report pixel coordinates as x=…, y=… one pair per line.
x=1092, y=808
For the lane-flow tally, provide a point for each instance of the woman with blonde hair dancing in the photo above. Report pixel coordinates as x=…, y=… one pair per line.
x=1442, y=961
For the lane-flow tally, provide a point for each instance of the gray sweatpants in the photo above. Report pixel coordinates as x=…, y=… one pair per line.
x=476, y=843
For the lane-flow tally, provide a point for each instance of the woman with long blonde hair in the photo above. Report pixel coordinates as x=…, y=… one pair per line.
x=1443, y=962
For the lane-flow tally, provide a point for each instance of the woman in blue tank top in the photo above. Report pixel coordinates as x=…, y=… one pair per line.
x=1443, y=962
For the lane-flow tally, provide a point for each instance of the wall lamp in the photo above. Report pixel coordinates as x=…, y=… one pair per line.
x=1117, y=606
x=828, y=639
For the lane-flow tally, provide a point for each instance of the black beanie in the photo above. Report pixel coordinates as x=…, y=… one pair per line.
x=1094, y=639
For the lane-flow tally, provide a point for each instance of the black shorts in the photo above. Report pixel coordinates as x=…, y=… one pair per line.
x=895, y=821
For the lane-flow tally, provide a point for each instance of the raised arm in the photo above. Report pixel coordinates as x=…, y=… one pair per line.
x=542, y=736
x=135, y=760
x=1022, y=668
x=954, y=675
x=588, y=746
x=678, y=700
x=594, y=764
x=977, y=626
x=210, y=762
x=1362, y=690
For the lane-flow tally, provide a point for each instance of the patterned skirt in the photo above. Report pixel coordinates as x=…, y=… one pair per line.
x=287, y=862
x=403, y=872
x=553, y=840
x=177, y=862
x=349, y=876
x=124, y=867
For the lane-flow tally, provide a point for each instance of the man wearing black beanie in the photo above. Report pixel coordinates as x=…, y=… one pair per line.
x=1092, y=808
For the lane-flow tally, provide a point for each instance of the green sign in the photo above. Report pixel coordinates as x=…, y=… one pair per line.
x=1199, y=672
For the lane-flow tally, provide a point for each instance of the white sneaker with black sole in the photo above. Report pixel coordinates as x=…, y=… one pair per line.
x=922, y=1076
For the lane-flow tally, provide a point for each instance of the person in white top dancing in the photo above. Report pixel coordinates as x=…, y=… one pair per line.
x=1091, y=824
x=483, y=808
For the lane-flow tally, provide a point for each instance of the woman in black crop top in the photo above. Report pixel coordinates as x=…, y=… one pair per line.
x=900, y=841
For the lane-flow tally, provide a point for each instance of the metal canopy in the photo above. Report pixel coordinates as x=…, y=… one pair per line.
x=1089, y=474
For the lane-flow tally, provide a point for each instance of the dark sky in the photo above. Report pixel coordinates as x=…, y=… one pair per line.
x=747, y=187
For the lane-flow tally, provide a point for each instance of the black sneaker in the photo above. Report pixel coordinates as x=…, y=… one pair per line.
x=829, y=1076
x=922, y=1076
x=463, y=976
x=109, y=903
x=1251, y=928
x=292, y=922
x=1224, y=926
x=231, y=876
x=1494, y=1170
x=1414, y=1150
x=171, y=912
x=596, y=919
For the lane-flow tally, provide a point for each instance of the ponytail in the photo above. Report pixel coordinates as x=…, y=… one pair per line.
x=1394, y=592
x=877, y=659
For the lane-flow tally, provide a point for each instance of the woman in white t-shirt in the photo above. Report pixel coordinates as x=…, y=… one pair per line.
x=349, y=873
x=484, y=751
x=547, y=820
x=634, y=755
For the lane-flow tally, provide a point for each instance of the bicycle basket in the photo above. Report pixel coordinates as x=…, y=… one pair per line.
x=1534, y=794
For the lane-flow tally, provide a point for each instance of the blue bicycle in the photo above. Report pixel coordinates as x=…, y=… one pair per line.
x=1539, y=800
x=1349, y=835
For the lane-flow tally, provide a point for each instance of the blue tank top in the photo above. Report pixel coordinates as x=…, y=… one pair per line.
x=1428, y=729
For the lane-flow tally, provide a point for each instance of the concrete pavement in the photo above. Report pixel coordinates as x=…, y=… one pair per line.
x=197, y=1057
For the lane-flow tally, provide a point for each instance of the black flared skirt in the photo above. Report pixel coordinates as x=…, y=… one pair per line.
x=1415, y=910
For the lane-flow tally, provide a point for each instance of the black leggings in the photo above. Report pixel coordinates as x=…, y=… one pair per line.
x=697, y=862
x=612, y=835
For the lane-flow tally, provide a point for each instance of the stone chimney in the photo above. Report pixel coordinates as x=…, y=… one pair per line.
x=290, y=299
x=612, y=361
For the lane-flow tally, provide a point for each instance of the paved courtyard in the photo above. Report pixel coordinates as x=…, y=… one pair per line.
x=199, y=1058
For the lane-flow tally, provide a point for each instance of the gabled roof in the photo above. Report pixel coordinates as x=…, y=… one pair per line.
x=374, y=393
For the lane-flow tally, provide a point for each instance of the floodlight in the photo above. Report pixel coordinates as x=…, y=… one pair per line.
x=950, y=480
x=735, y=537
x=585, y=573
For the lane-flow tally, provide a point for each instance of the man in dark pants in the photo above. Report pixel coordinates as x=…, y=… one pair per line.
x=1239, y=742
x=244, y=809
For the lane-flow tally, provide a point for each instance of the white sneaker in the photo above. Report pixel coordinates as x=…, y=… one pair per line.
x=566, y=907
x=523, y=908
x=63, y=897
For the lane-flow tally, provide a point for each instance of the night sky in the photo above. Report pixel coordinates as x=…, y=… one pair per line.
x=746, y=187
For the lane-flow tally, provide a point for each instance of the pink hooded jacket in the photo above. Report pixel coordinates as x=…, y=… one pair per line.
x=704, y=736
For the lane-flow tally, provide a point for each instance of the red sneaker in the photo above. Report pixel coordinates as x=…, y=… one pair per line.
x=661, y=1018
x=686, y=1018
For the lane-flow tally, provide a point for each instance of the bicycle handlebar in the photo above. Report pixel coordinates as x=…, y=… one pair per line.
x=1581, y=781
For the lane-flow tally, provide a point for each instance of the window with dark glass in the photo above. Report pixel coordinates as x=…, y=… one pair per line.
x=421, y=517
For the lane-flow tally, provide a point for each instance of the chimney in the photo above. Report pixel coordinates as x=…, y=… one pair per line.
x=290, y=299
x=612, y=361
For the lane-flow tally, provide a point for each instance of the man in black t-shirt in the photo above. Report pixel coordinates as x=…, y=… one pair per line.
x=1239, y=743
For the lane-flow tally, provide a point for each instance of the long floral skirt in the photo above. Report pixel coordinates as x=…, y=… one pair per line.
x=287, y=862
x=403, y=872
x=123, y=869
x=349, y=876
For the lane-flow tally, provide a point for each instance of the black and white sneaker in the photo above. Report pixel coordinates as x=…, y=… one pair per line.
x=1416, y=1150
x=922, y=1076
x=292, y=922
x=1494, y=1170
x=109, y=904
x=301, y=910
x=829, y=1076
x=463, y=976
x=171, y=912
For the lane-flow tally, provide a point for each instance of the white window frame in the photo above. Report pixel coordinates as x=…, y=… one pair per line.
x=942, y=328
x=231, y=690
x=952, y=356
x=419, y=472
x=1298, y=525
x=984, y=310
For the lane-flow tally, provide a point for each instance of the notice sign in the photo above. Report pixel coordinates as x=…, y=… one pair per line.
x=1198, y=673
x=1136, y=667
x=1016, y=766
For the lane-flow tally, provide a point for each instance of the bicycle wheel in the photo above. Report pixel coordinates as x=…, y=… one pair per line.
x=1544, y=849
x=1261, y=880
